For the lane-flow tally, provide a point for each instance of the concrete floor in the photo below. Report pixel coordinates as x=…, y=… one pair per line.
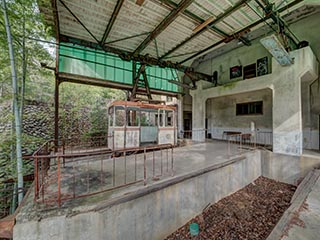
x=94, y=174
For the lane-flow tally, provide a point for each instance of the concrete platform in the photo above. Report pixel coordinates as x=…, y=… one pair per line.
x=187, y=159
x=145, y=212
x=204, y=173
x=302, y=218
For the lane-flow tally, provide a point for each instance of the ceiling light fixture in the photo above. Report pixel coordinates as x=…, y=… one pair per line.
x=273, y=45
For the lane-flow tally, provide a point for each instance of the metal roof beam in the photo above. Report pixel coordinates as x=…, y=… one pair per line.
x=112, y=20
x=243, y=30
x=192, y=16
x=211, y=25
x=164, y=24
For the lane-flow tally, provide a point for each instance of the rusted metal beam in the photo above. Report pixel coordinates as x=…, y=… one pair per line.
x=79, y=21
x=56, y=18
x=211, y=25
x=126, y=38
x=165, y=23
x=112, y=20
x=170, y=4
x=56, y=113
x=242, y=30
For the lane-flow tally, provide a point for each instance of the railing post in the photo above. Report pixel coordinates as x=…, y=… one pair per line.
x=59, y=184
x=113, y=168
x=113, y=142
x=172, y=173
x=125, y=166
x=144, y=168
x=63, y=152
x=36, y=178
x=153, y=164
x=42, y=179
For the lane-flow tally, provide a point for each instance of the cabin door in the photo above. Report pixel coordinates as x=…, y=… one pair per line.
x=149, y=128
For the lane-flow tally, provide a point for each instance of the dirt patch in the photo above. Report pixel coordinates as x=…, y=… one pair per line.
x=250, y=213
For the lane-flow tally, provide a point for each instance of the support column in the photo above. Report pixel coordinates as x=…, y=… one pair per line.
x=198, y=113
x=180, y=116
x=287, y=116
x=56, y=113
x=287, y=101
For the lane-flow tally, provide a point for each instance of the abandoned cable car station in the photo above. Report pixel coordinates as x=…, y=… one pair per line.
x=219, y=93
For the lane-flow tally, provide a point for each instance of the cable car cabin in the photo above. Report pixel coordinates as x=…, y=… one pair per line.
x=135, y=124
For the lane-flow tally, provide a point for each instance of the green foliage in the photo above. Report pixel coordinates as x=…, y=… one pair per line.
x=83, y=109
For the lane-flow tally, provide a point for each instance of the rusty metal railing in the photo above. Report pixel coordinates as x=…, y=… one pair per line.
x=87, y=143
x=187, y=134
x=64, y=176
x=264, y=139
x=238, y=143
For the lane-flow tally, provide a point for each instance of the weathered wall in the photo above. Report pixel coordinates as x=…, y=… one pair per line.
x=247, y=55
x=288, y=169
x=240, y=56
x=285, y=83
x=221, y=113
x=151, y=216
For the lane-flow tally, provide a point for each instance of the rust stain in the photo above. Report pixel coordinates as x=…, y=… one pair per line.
x=6, y=226
x=295, y=220
x=142, y=105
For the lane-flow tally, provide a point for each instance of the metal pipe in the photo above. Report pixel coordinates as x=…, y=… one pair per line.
x=153, y=164
x=172, y=173
x=59, y=184
x=114, y=169
x=42, y=180
x=135, y=166
x=144, y=168
x=36, y=177
x=125, y=167
x=161, y=162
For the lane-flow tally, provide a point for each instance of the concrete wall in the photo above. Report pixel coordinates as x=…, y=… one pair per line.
x=151, y=216
x=309, y=109
x=285, y=83
x=221, y=113
x=241, y=56
x=157, y=210
x=288, y=169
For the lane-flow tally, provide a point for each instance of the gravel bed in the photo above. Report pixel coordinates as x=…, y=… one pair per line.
x=250, y=213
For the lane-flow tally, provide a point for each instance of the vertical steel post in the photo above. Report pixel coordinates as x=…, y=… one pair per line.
x=42, y=179
x=74, y=178
x=56, y=114
x=114, y=169
x=135, y=167
x=59, y=184
x=88, y=183
x=153, y=164
x=36, y=178
x=172, y=161
x=161, y=162
x=167, y=161
x=144, y=168
x=125, y=166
